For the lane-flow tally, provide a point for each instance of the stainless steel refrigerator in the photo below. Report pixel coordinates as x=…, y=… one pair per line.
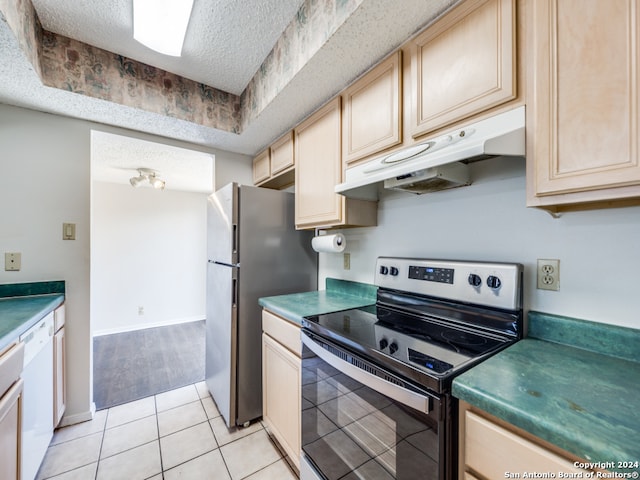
x=253, y=251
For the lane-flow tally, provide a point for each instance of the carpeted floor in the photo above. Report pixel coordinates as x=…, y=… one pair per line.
x=133, y=365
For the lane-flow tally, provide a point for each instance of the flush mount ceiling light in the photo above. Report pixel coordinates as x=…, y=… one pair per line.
x=161, y=24
x=149, y=176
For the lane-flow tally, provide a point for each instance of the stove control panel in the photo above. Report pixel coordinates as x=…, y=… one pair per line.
x=431, y=274
x=492, y=284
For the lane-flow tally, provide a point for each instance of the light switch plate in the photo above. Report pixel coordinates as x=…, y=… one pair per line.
x=68, y=231
x=12, y=261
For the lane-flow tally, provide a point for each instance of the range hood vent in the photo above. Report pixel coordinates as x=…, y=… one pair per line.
x=431, y=179
x=435, y=164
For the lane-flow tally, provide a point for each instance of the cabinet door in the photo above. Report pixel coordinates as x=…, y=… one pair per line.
x=319, y=168
x=281, y=395
x=464, y=64
x=582, y=106
x=10, y=427
x=491, y=450
x=261, y=167
x=282, y=156
x=59, y=380
x=59, y=317
x=371, y=112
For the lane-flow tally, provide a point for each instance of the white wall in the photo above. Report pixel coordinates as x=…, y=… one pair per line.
x=232, y=167
x=45, y=181
x=148, y=249
x=599, y=250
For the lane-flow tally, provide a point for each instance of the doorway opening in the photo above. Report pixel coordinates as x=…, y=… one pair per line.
x=148, y=267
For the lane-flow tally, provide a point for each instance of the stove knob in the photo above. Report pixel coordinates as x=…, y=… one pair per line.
x=394, y=271
x=383, y=344
x=493, y=282
x=475, y=280
x=393, y=348
x=383, y=270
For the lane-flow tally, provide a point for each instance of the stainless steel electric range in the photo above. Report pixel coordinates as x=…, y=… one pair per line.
x=376, y=381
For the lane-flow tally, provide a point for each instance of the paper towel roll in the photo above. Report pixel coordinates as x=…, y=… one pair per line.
x=329, y=243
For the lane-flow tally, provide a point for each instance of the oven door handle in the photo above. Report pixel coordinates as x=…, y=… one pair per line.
x=400, y=394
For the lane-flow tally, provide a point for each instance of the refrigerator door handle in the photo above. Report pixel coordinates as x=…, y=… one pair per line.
x=234, y=246
x=234, y=293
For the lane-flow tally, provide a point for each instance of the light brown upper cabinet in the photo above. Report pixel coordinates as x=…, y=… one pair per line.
x=282, y=156
x=582, y=102
x=464, y=64
x=274, y=167
x=372, y=111
x=318, y=156
x=261, y=168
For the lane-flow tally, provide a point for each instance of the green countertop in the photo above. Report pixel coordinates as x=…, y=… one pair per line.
x=23, y=305
x=585, y=401
x=339, y=295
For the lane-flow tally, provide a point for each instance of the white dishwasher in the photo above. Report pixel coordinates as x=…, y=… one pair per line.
x=37, y=416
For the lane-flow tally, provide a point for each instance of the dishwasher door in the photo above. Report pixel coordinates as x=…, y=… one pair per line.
x=37, y=419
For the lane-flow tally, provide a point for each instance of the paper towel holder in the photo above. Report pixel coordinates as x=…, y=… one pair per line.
x=324, y=242
x=319, y=232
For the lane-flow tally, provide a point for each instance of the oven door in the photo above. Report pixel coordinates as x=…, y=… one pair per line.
x=361, y=422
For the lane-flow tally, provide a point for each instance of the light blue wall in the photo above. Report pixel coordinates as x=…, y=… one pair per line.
x=599, y=250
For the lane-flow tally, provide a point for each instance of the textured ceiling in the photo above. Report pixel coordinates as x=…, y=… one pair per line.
x=225, y=44
x=225, y=47
x=115, y=159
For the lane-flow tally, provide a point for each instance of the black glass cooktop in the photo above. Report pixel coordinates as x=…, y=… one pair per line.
x=411, y=345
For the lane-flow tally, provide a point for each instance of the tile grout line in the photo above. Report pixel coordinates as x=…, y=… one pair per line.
x=263, y=468
x=109, y=413
x=155, y=404
x=219, y=448
x=104, y=430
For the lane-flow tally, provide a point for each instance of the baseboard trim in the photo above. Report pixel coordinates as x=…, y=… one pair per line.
x=78, y=417
x=132, y=328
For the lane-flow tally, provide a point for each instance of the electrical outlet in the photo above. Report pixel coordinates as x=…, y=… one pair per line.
x=140, y=310
x=346, y=261
x=548, y=274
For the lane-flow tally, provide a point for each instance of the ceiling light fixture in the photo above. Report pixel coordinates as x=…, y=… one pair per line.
x=149, y=176
x=161, y=24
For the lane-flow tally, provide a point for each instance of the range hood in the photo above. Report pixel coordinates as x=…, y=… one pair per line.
x=439, y=162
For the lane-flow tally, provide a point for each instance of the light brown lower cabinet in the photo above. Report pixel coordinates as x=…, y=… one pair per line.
x=59, y=389
x=492, y=449
x=59, y=366
x=11, y=388
x=10, y=427
x=281, y=380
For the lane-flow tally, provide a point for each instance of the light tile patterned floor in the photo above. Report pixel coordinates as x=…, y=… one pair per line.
x=174, y=435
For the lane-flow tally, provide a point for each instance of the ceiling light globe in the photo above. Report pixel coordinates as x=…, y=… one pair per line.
x=136, y=181
x=157, y=183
